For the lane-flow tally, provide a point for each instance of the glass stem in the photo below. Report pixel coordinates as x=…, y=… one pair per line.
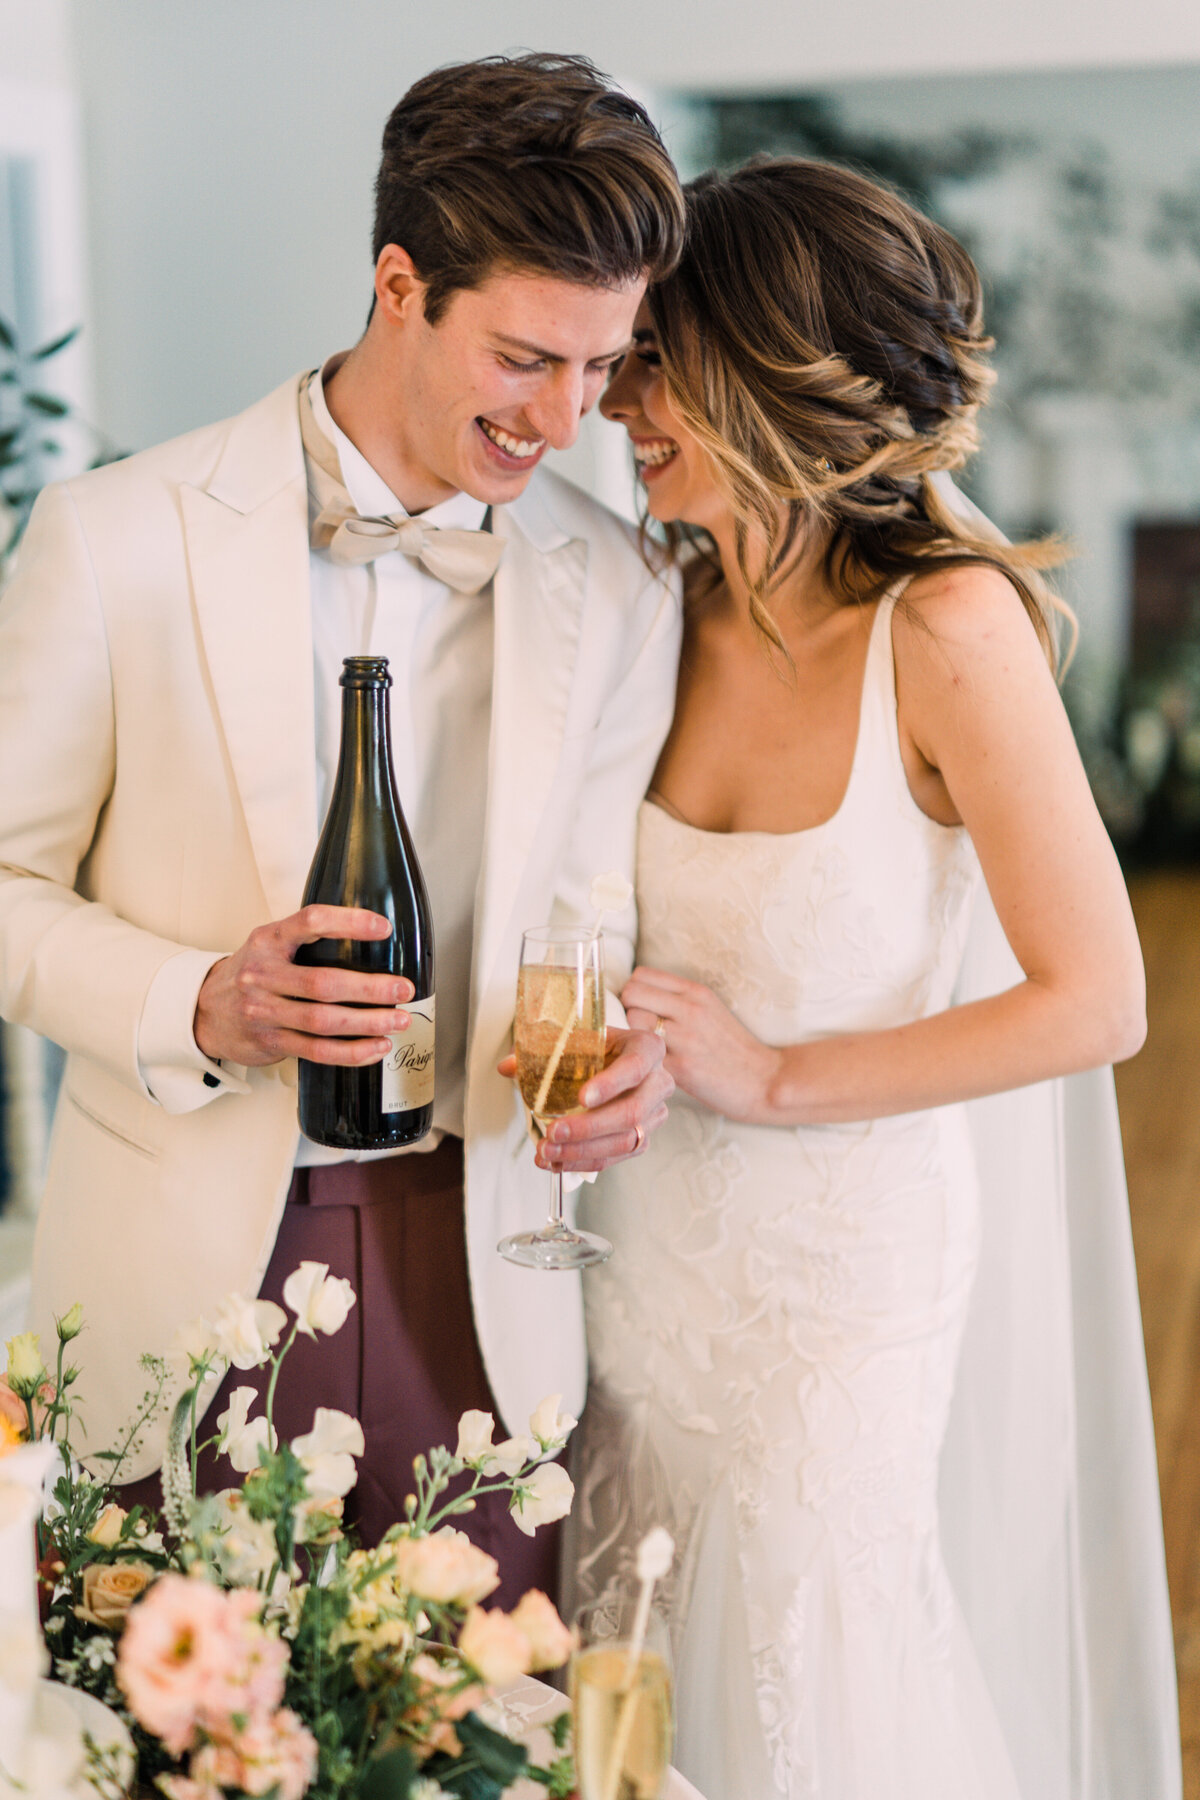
x=556, y=1201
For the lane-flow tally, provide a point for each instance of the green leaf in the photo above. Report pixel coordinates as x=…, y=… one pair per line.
x=55, y=345
x=389, y=1777
x=47, y=404
x=7, y=335
x=486, y=1754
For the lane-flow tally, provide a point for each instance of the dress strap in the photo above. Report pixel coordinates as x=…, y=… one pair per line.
x=878, y=764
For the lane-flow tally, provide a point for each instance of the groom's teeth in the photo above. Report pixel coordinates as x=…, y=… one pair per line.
x=514, y=445
x=658, y=450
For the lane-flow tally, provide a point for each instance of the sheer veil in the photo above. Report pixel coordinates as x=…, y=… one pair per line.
x=1049, y=1491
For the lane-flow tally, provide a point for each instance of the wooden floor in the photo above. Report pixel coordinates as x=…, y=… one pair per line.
x=1159, y=1094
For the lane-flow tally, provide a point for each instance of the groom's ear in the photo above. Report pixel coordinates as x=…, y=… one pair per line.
x=399, y=290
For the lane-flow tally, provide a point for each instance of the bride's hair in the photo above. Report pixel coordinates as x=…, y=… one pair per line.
x=824, y=342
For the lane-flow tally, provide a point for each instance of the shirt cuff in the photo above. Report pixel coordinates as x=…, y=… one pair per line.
x=172, y=1065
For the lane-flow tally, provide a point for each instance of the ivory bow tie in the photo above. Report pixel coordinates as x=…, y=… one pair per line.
x=465, y=560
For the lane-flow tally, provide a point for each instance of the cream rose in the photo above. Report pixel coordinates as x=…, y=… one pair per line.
x=110, y=1589
x=107, y=1529
x=495, y=1647
x=445, y=1568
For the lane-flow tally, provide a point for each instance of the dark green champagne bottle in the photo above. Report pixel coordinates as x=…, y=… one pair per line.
x=365, y=857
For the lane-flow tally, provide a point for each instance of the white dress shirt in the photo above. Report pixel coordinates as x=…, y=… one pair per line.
x=439, y=648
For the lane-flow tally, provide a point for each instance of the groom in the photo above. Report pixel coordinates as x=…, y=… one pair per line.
x=169, y=655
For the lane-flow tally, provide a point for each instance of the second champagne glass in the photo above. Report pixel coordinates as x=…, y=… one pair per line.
x=558, y=1036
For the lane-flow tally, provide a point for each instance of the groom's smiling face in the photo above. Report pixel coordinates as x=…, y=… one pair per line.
x=506, y=373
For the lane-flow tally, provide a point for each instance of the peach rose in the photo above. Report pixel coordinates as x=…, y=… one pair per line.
x=110, y=1589
x=445, y=1568
x=495, y=1647
x=549, y=1639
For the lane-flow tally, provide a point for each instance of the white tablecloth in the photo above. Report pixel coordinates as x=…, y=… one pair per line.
x=530, y=1705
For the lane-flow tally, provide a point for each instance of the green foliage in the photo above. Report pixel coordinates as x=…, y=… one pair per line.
x=738, y=127
x=25, y=410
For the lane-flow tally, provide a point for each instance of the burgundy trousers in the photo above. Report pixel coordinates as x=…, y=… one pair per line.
x=406, y=1363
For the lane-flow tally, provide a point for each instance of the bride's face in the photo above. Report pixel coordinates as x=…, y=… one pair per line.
x=677, y=471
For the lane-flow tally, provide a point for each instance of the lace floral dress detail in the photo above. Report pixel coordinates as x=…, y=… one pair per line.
x=773, y=1343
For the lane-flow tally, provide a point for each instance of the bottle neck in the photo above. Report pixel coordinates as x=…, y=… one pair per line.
x=365, y=759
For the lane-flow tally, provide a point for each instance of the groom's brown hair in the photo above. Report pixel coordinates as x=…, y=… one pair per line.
x=525, y=163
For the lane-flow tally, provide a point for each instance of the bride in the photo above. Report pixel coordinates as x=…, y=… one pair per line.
x=868, y=744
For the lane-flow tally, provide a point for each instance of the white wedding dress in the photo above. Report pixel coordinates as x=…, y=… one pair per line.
x=774, y=1347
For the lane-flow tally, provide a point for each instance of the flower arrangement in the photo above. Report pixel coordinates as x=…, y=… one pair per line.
x=250, y=1646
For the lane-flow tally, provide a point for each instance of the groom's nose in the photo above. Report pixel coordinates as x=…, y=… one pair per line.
x=559, y=406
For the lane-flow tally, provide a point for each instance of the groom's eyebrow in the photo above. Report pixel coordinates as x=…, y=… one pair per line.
x=552, y=356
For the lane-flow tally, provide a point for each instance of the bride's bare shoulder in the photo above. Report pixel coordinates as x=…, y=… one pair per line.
x=954, y=622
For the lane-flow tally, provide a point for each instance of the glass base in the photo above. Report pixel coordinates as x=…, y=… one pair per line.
x=555, y=1247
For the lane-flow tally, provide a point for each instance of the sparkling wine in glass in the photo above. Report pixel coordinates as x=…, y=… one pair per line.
x=621, y=1704
x=559, y=1041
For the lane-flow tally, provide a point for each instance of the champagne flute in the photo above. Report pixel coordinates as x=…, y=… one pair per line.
x=559, y=1041
x=620, y=1704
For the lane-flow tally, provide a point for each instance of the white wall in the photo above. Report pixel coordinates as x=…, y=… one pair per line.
x=231, y=147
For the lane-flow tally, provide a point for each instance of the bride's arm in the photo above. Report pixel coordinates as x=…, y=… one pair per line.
x=990, y=741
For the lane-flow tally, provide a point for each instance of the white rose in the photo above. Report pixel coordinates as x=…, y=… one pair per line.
x=321, y=1301
x=550, y=1427
x=474, y=1437
x=242, y=1438
x=328, y=1452
x=23, y=1658
x=545, y=1495
x=245, y=1330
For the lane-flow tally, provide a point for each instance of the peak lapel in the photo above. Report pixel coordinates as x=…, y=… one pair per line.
x=539, y=592
x=250, y=577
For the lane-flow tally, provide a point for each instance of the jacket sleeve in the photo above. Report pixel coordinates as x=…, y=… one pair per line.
x=70, y=968
x=625, y=747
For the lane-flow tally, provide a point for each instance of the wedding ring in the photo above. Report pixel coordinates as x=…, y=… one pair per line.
x=660, y=1027
x=641, y=1139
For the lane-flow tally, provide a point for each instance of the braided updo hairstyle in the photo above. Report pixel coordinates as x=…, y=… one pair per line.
x=824, y=341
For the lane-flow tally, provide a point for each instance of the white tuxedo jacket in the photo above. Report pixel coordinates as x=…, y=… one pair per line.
x=157, y=790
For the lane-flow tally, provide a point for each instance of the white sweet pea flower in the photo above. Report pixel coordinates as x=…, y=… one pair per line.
x=550, y=1427
x=474, y=1437
x=506, y=1458
x=544, y=1496
x=245, y=1330
x=191, y=1344
x=321, y=1301
x=242, y=1438
x=328, y=1452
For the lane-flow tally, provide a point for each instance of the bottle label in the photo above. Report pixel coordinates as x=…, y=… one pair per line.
x=408, y=1066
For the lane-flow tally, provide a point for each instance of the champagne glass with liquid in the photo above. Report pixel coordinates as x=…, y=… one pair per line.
x=620, y=1703
x=559, y=1042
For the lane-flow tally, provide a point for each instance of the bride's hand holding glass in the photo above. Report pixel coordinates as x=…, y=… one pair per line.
x=621, y=1105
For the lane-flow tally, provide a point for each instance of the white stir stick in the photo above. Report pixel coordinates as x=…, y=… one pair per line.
x=608, y=893
x=654, y=1556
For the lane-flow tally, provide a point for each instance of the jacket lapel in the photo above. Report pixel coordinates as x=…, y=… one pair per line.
x=538, y=598
x=247, y=540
